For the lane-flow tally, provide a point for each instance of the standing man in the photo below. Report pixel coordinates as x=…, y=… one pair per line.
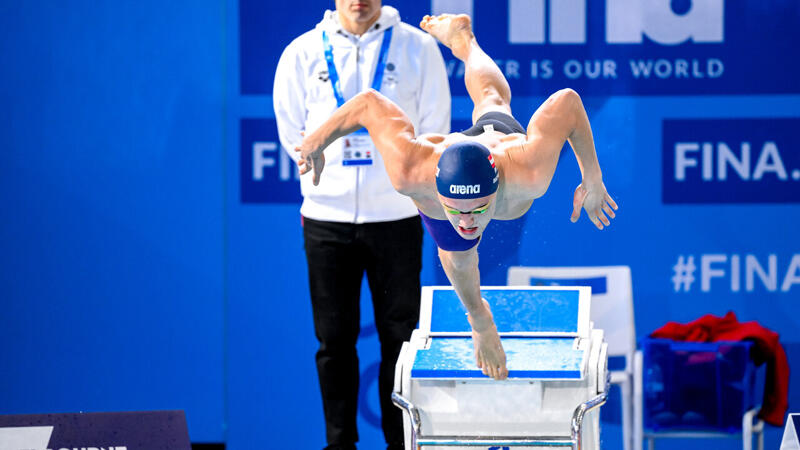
x=354, y=221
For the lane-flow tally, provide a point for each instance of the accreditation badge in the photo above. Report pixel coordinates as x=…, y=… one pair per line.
x=358, y=149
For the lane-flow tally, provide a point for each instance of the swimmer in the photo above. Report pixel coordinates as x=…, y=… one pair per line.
x=462, y=181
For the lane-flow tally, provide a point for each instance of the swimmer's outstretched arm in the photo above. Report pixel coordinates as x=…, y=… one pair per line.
x=461, y=268
x=530, y=167
x=408, y=162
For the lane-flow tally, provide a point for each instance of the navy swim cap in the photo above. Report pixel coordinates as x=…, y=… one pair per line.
x=466, y=170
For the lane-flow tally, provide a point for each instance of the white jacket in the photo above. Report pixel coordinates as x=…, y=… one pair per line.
x=415, y=79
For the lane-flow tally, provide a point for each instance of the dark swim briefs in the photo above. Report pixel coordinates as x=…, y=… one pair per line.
x=501, y=122
x=445, y=236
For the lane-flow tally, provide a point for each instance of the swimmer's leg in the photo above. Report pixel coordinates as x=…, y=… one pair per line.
x=485, y=82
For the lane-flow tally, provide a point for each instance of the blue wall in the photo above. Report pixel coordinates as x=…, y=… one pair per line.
x=133, y=276
x=111, y=181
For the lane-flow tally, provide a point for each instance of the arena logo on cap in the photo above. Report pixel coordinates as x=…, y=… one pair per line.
x=465, y=189
x=730, y=161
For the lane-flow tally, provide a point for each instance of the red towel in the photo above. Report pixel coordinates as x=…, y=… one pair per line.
x=711, y=328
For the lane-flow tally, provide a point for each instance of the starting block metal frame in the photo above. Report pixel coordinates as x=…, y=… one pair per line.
x=550, y=347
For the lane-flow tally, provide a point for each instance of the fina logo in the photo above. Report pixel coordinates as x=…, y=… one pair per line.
x=730, y=160
x=465, y=188
x=627, y=21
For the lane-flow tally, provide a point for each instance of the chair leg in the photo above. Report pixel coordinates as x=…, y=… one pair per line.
x=627, y=413
x=747, y=430
x=651, y=444
x=759, y=430
x=638, y=405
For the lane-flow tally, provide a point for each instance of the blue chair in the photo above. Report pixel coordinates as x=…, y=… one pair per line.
x=699, y=390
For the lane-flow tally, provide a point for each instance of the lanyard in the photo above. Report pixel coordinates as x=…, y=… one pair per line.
x=377, y=80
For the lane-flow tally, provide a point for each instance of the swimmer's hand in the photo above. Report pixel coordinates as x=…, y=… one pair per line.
x=311, y=157
x=489, y=353
x=593, y=197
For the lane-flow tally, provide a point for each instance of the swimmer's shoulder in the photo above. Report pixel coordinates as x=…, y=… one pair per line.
x=432, y=138
x=442, y=141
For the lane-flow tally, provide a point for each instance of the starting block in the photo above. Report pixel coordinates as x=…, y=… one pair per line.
x=557, y=373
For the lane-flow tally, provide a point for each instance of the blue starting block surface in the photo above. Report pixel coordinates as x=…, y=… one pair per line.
x=532, y=358
x=541, y=311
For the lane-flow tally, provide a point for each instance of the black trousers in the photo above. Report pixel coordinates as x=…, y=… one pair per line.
x=338, y=254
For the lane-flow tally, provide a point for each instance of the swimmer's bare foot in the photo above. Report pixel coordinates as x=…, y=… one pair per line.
x=454, y=31
x=489, y=353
